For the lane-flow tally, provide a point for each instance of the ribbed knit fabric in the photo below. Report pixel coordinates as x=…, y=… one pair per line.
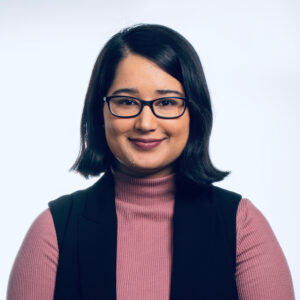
x=144, y=211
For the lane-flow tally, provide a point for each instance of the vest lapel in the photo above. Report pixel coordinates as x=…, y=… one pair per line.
x=192, y=242
x=97, y=235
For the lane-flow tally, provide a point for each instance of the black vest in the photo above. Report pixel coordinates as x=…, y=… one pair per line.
x=204, y=242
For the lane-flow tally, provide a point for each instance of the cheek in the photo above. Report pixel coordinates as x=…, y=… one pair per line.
x=110, y=126
x=112, y=133
x=113, y=139
x=183, y=129
x=183, y=138
x=115, y=133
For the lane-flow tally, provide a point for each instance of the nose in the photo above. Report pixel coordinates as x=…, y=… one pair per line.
x=146, y=120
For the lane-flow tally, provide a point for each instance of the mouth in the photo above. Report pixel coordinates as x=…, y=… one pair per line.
x=146, y=144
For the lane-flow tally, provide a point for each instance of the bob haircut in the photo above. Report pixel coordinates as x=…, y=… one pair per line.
x=176, y=56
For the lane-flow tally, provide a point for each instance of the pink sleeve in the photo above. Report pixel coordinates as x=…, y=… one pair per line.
x=262, y=271
x=34, y=270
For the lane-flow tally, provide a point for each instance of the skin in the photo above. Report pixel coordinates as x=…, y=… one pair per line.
x=149, y=82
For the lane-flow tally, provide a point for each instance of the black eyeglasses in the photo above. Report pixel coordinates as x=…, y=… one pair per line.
x=130, y=107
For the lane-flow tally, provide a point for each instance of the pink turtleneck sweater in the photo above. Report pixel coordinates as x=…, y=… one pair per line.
x=144, y=211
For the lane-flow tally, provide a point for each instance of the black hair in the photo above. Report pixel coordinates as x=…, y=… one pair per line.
x=176, y=56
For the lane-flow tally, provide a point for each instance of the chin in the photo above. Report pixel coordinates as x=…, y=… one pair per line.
x=149, y=168
x=149, y=165
x=146, y=168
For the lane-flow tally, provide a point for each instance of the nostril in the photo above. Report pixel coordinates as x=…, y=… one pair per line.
x=145, y=121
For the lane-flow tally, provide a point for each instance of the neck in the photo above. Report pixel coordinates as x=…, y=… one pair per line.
x=144, y=191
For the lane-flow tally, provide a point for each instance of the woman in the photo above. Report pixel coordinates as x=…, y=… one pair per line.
x=154, y=226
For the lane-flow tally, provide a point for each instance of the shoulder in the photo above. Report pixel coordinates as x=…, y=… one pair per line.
x=34, y=270
x=42, y=229
x=39, y=245
x=63, y=205
x=261, y=268
x=224, y=194
x=62, y=208
x=250, y=217
x=226, y=200
x=251, y=221
x=75, y=200
x=255, y=237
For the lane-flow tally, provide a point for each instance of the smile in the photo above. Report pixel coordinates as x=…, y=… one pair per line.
x=146, y=144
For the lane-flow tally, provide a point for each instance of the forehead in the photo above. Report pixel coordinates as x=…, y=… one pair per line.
x=142, y=74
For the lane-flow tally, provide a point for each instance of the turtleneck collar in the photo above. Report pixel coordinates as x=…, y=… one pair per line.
x=144, y=191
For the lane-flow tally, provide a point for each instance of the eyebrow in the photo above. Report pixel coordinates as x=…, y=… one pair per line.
x=136, y=91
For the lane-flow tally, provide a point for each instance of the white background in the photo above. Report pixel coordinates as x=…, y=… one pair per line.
x=250, y=54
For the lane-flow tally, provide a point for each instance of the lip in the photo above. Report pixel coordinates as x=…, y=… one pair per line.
x=146, y=144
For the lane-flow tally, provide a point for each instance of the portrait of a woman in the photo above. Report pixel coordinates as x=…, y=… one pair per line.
x=153, y=226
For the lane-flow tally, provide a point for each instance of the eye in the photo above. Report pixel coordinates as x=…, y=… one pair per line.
x=125, y=101
x=167, y=102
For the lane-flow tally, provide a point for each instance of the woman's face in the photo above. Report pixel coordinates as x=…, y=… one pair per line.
x=145, y=80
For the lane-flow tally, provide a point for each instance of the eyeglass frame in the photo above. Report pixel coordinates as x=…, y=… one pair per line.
x=145, y=103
